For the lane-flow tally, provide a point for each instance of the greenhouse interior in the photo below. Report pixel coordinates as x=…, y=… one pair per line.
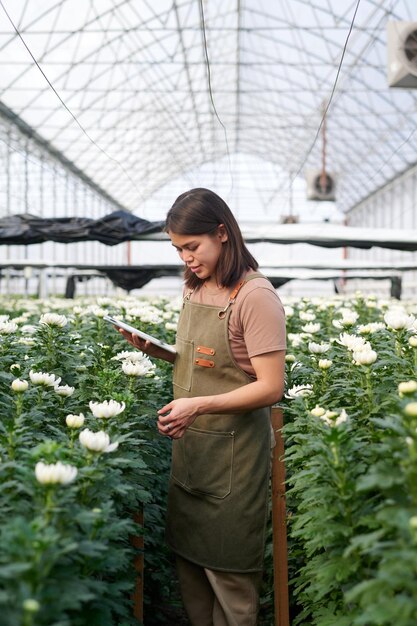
x=299, y=119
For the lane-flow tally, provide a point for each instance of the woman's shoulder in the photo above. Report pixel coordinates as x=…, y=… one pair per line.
x=257, y=282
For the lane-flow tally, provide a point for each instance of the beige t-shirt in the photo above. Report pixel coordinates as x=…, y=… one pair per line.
x=257, y=319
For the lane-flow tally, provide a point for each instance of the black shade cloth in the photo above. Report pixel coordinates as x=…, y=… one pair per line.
x=121, y=226
x=129, y=279
x=111, y=229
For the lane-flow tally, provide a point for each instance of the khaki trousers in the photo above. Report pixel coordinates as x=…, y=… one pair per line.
x=214, y=598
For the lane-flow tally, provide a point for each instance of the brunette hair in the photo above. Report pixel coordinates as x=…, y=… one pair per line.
x=199, y=212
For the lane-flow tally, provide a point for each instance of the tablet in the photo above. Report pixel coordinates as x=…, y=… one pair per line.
x=140, y=333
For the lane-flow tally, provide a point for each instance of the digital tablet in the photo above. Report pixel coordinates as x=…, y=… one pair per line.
x=140, y=333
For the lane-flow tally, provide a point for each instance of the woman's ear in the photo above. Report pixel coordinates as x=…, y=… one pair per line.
x=221, y=232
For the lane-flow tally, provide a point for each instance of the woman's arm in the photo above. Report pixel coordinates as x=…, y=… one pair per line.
x=264, y=391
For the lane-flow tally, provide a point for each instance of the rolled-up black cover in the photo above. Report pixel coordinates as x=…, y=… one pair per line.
x=111, y=229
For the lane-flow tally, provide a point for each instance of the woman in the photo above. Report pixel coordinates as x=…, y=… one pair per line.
x=228, y=371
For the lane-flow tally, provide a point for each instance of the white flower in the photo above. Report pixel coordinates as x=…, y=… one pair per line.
x=299, y=391
x=341, y=418
x=353, y=342
x=364, y=357
x=307, y=316
x=349, y=317
x=171, y=326
x=75, y=421
x=289, y=311
x=372, y=327
x=318, y=348
x=42, y=378
x=126, y=355
x=413, y=341
x=108, y=408
x=64, y=390
x=99, y=312
x=7, y=328
x=295, y=339
x=55, y=473
x=311, y=328
x=318, y=411
x=407, y=388
x=324, y=364
x=53, y=319
x=97, y=442
x=397, y=319
x=143, y=368
x=332, y=418
x=410, y=409
x=26, y=341
x=19, y=385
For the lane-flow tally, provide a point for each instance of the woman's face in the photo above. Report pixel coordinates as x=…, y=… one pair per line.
x=200, y=252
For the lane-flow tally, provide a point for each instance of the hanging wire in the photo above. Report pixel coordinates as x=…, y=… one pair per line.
x=65, y=105
x=203, y=30
x=331, y=94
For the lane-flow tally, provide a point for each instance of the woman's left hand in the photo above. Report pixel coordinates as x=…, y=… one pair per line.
x=176, y=416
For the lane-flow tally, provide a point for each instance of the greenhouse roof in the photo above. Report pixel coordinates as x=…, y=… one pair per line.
x=140, y=93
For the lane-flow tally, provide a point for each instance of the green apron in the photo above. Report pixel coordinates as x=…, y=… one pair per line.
x=218, y=491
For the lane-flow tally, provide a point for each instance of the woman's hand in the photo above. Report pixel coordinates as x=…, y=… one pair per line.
x=146, y=346
x=176, y=416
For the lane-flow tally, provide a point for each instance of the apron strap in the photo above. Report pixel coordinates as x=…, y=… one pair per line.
x=231, y=300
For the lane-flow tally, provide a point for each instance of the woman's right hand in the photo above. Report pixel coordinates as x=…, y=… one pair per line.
x=144, y=345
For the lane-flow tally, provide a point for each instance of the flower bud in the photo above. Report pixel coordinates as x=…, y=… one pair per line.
x=410, y=409
x=318, y=411
x=19, y=385
x=289, y=358
x=324, y=364
x=413, y=341
x=407, y=388
x=30, y=605
x=75, y=421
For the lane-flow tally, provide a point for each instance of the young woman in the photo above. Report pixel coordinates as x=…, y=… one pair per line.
x=228, y=371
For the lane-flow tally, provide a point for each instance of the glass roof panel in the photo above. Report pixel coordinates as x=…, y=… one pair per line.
x=162, y=89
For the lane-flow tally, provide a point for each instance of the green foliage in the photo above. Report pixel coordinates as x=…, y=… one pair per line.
x=66, y=550
x=352, y=488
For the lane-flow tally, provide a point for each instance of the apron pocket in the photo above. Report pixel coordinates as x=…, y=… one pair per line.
x=202, y=462
x=183, y=365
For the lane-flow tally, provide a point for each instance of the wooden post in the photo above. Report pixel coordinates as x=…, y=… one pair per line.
x=279, y=524
x=137, y=541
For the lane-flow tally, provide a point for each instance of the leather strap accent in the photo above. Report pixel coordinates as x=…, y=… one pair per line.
x=204, y=362
x=206, y=350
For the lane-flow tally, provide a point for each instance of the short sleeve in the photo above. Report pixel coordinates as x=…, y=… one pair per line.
x=262, y=319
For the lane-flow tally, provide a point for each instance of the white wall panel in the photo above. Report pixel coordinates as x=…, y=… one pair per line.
x=393, y=206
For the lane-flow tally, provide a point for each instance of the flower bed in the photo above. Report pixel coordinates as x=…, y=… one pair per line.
x=351, y=459
x=79, y=455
